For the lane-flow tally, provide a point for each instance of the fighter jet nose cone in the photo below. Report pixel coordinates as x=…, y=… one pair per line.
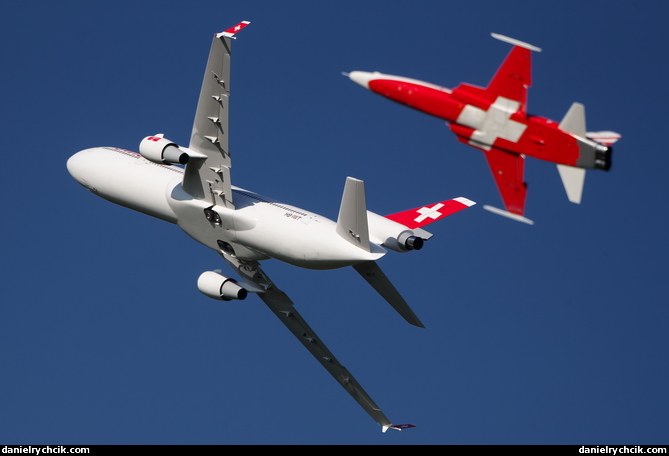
x=361, y=77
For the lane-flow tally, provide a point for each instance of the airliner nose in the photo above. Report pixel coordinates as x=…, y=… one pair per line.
x=78, y=166
x=362, y=77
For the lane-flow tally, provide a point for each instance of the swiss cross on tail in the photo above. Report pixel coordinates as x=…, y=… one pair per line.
x=421, y=216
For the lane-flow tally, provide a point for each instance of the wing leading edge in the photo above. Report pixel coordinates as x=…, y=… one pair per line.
x=284, y=309
x=508, y=170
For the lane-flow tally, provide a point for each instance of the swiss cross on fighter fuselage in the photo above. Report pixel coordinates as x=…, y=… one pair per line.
x=492, y=124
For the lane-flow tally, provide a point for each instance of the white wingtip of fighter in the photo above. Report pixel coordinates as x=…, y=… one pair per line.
x=515, y=42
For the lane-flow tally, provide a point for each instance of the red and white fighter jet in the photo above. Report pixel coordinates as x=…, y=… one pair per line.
x=495, y=120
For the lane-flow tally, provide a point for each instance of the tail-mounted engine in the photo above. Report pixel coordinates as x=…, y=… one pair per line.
x=392, y=235
x=219, y=287
x=163, y=151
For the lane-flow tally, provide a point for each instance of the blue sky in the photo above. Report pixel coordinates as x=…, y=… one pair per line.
x=548, y=334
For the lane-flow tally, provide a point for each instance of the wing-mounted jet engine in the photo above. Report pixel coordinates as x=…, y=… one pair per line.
x=163, y=151
x=217, y=286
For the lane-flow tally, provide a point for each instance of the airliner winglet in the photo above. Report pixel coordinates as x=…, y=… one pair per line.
x=230, y=33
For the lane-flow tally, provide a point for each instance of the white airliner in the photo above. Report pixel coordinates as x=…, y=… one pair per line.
x=244, y=227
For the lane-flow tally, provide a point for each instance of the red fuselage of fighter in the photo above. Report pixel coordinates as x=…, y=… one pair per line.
x=483, y=119
x=495, y=120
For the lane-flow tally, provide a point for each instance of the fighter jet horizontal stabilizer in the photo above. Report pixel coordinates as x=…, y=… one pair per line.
x=573, y=180
x=510, y=215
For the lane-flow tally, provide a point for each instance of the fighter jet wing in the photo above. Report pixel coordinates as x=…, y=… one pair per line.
x=511, y=80
x=284, y=309
x=209, y=176
x=508, y=170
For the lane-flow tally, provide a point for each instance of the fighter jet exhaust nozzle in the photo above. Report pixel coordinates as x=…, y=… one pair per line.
x=603, y=157
x=217, y=286
x=162, y=151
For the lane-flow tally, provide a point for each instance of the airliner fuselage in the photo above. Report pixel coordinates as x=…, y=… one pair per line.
x=258, y=228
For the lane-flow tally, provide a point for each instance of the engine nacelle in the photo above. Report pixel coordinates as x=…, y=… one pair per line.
x=219, y=287
x=392, y=235
x=163, y=151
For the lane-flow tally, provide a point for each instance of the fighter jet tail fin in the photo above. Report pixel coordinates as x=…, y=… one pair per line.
x=595, y=150
x=574, y=121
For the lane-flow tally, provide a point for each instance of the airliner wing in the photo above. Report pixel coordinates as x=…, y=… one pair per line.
x=372, y=273
x=209, y=176
x=284, y=309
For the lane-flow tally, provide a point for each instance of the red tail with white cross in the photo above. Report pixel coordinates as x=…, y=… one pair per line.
x=421, y=216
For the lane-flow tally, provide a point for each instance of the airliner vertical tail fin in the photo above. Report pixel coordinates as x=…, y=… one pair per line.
x=352, y=222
